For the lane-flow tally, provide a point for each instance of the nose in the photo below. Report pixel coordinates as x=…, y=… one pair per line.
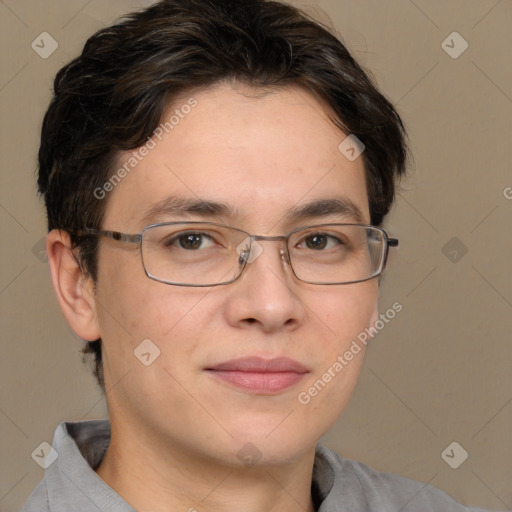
x=266, y=295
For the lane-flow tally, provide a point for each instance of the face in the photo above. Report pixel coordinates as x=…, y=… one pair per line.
x=262, y=155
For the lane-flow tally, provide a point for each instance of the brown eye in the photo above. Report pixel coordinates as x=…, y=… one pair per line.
x=190, y=241
x=316, y=242
x=320, y=241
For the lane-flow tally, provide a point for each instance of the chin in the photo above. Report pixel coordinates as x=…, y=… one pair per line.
x=270, y=444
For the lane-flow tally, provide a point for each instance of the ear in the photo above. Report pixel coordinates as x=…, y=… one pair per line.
x=75, y=291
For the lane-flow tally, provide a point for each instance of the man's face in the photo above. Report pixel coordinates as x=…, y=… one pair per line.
x=262, y=156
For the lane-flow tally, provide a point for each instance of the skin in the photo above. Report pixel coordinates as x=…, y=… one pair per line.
x=176, y=430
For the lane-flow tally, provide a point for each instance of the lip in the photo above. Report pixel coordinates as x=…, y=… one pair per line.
x=259, y=375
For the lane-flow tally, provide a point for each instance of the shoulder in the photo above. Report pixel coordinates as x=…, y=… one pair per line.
x=38, y=499
x=385, y=491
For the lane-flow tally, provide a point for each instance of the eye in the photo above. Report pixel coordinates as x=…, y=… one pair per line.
x=321, y=241
x=190, y=241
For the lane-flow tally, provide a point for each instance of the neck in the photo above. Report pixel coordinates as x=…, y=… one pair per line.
x=157, y=477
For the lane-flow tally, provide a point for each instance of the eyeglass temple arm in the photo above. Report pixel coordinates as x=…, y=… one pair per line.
x=114, y=235
x=391, y=242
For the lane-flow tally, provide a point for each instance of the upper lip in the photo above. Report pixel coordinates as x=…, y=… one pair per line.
x=259, y=364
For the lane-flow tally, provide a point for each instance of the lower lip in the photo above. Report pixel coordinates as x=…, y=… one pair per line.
x=259, y=382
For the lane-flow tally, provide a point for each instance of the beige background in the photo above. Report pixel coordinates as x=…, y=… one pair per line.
x=440, y=371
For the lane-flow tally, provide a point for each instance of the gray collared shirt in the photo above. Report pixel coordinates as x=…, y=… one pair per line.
x=339, y=485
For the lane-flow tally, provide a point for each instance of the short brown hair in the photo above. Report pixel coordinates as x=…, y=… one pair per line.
x=112, y=97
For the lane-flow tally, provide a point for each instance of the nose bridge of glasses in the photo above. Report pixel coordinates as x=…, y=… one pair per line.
x=256, y=249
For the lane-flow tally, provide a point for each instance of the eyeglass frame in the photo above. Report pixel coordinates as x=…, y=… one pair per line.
x=137, y=239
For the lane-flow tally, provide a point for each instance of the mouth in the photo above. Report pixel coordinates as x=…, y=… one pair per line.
x=258, y=375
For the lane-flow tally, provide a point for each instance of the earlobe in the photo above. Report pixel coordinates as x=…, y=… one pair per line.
x=74, y=290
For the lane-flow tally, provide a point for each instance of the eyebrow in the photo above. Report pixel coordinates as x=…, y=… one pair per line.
x=325, y=208
x=319, y=208
x=174, y=205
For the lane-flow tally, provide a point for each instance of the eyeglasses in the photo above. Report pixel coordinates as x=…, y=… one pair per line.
x=209, y=254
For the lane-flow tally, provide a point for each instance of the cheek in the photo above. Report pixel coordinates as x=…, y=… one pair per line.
x=132, y=308
x=349, y=309
x=128, y=305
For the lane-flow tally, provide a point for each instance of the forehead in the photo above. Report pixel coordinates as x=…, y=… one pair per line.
x=260, y=153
